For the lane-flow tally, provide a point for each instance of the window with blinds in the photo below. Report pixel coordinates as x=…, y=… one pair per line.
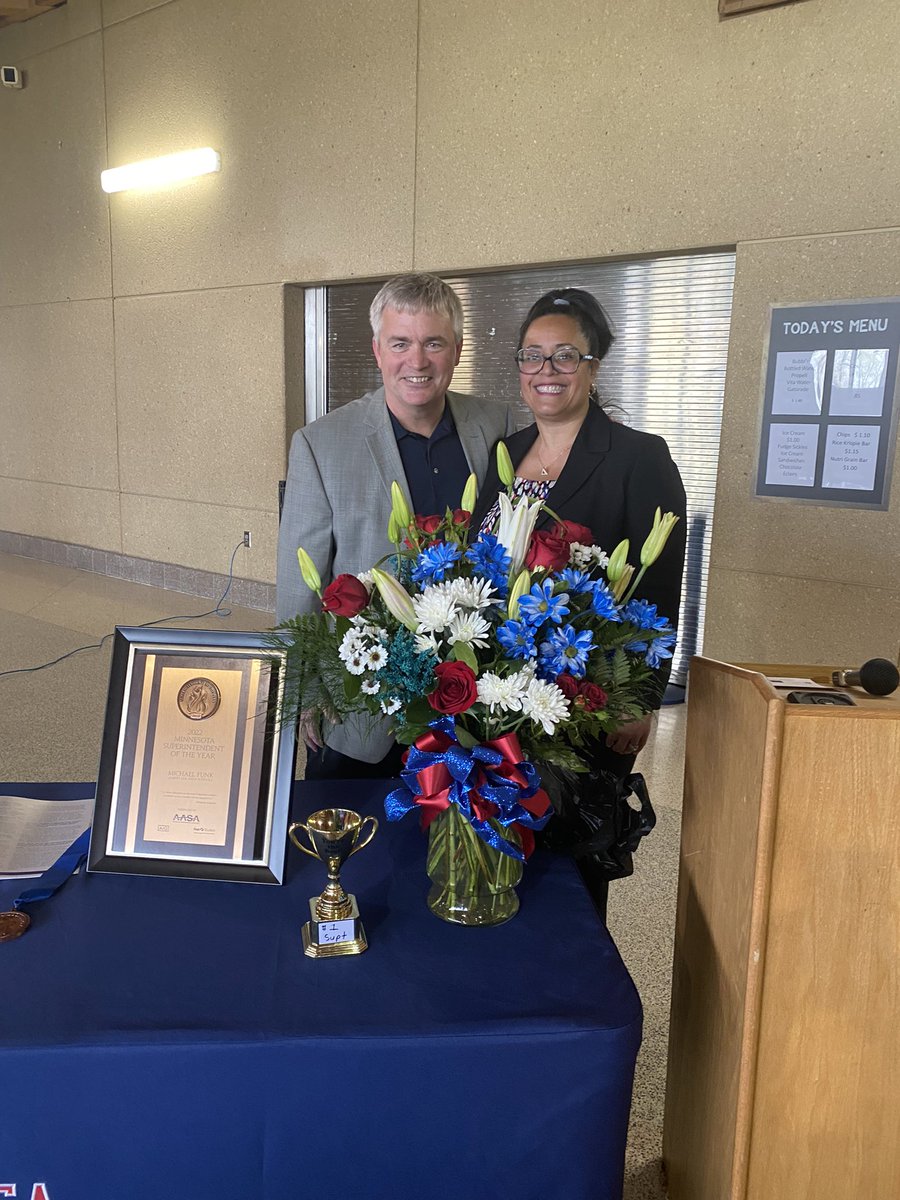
x=665, y=372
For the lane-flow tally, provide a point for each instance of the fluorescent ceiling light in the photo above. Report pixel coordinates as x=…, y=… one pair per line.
x=156, y=172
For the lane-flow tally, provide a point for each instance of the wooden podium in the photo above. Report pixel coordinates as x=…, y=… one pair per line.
x=784, y=1045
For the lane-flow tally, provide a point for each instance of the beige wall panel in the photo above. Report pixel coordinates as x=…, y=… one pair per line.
x=58, y=405
x=817, y=546
x=85, y=516
x=26, y=38
x=55, y=237
x=200, y=535
x=313, y=109
x=201, y=396
x=781, y=619
x=121, y=10
x=577, y=129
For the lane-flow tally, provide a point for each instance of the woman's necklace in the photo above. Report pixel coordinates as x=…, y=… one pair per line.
x=545, y=467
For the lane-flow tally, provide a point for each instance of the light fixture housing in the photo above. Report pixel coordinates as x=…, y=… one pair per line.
x=157, y=172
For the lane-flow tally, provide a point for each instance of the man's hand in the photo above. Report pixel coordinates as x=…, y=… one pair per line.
x=631, y=738
x=310, y=728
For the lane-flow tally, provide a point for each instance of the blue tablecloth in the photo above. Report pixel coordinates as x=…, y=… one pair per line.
x=167, y=1039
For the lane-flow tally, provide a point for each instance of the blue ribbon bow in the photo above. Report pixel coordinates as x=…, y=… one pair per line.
x=465, y=767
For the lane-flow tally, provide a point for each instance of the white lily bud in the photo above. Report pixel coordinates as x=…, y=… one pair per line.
x=399, y=507
x=396, y=598
x=657, y=538
x=308, y=570
x=504, y=465
x=520, y=588
x=470, y=494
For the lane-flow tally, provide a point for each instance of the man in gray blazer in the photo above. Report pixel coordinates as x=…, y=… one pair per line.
x=337, y=500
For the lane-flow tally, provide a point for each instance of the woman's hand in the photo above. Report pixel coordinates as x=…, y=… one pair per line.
x=631, y=738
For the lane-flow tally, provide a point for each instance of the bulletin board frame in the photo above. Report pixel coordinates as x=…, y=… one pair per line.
x=828, y=429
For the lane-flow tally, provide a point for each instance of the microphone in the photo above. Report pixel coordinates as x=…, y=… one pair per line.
x=878, y=677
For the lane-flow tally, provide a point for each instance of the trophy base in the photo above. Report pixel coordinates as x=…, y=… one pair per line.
x=328, y=939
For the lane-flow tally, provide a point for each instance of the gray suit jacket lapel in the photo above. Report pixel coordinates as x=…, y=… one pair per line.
x=471, y=433
x=383, y=446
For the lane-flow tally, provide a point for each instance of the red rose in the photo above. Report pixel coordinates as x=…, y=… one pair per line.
x=546, y=550
x=429, y=524
x=593, y=696
x=456, y=689
x=567, y=685
x=571, y=531
x=345, y=596
x=461, y=517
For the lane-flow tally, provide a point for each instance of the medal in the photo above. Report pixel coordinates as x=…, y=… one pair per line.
x=13, y=924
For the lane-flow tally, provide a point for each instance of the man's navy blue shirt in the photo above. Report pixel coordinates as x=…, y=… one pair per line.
x=436, y=467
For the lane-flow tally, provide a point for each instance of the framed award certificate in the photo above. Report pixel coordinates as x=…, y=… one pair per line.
x=196, y=769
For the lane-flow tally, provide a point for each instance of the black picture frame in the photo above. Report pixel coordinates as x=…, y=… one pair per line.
x=196, y=765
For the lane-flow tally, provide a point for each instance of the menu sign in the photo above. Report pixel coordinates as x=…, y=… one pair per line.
x=830, y=416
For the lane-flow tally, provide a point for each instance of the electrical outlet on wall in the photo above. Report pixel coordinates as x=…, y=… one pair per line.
x=248, y=538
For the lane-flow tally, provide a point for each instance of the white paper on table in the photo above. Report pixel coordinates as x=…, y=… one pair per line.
x=34, y=833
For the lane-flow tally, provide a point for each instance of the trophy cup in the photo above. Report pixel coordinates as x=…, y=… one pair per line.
x=334, y=926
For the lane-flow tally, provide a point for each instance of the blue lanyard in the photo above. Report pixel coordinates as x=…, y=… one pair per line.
x=54, y=877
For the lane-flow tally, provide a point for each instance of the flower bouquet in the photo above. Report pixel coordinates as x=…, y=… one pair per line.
x=489, y=653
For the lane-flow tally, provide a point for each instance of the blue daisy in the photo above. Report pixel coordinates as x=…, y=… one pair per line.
x=517, y=639
x=576, y=581
x=603, y=602
x=540, y=605
x=434, y=561
x=644, y=615
x=566, y=649
x=659, y=649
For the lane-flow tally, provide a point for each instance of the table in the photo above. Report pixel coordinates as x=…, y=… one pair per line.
x=168, y=1038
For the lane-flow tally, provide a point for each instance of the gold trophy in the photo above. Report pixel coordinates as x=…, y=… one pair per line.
x=334, y=926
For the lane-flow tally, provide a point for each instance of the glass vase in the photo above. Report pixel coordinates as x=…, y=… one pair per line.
x=471, y=882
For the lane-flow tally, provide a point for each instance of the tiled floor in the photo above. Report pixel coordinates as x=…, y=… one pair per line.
x=51, y=723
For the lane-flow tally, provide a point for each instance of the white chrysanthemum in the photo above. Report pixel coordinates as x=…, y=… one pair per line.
x=427, y=643
x=352, y=643
x=600, y=557
x=389, y=707
x=470, y=629
x=356, y=663
x=502, y=691
x=371, y=687
x=367, y=578
x=376, y=658
x=473, y=593
x=545, y=704
x=435, y=609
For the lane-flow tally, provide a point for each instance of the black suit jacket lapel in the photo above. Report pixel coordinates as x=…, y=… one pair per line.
x=588, y=451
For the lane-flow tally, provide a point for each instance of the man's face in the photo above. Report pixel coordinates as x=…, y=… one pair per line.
x=416, y=353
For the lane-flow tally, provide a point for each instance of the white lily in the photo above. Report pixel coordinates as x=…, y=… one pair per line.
x=396, y=598
x=516, y=527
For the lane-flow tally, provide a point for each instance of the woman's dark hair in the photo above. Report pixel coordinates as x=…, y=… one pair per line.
x=583, y=308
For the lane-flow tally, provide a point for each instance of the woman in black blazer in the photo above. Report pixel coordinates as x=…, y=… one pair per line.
x=592, y=469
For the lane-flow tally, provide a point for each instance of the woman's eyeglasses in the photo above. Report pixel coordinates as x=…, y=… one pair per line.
x=567, y=360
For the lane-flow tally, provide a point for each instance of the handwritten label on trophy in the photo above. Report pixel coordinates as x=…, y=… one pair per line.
x=332, y=932
x=850, y=456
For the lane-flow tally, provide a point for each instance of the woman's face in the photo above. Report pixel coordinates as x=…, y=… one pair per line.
x=550, y=394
